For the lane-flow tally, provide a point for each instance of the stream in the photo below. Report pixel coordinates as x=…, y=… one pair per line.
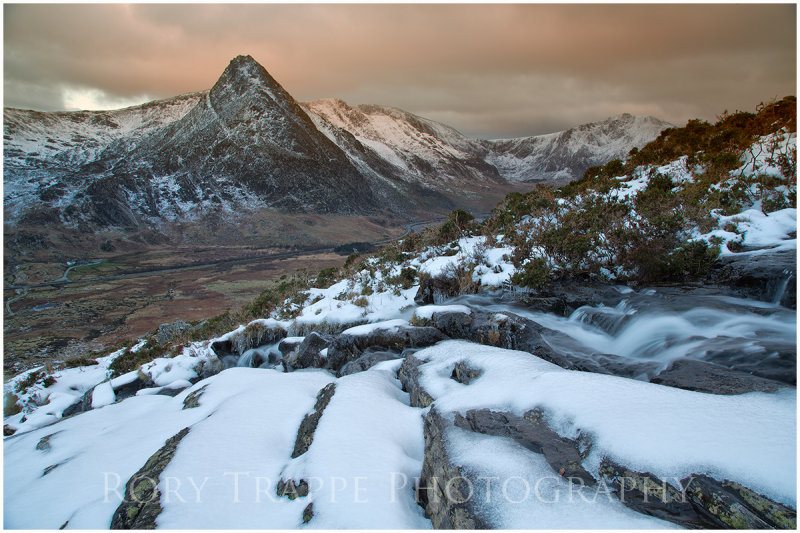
x=641, y=331
x=660, y=325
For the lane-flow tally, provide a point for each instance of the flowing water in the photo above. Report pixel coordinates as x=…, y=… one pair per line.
x=266, y=356
x=648, y=328
x=660, y=325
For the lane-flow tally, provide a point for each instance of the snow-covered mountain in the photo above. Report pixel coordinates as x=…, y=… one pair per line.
x=247, y=144
x=419, y=149
x=564, y=156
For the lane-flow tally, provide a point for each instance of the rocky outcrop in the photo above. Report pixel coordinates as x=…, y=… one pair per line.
x=167, y=332
x=463, y=374
x=308, y=354
x=121, y=392
x=532, y=432
x=370, y=358
x=142, y=502
x=346, y=347
x=699, y=376
x=292, y=489
x=409, y=375
x=770, y=277
x=734, y=506
x=699, y=501
x=192, y=399
x=510, y=331
x=434, y=289
x=444, y=490
x=305, y=434
x=645, y=493
x=254, y=335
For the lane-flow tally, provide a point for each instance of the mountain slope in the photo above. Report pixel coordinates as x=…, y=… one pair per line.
x=246, y=145
x=250, y=133
x=564, y=156
x=420, y=149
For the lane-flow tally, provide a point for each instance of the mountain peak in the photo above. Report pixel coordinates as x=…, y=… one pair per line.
x=243, y=72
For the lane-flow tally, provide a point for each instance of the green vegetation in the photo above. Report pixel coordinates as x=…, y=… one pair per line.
x=80, y=361
x=39, y=377
x=587, y=228
x=129, y=361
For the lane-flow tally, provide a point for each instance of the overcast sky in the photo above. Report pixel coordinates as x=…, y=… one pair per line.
x=488, y=70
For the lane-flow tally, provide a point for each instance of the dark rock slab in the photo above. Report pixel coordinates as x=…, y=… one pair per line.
x=130, y=389
x=645, y=493
x=142, y=502
x=409, y=375
x=700, y=376
x=368, y=359
x=305, y=434
x=733, y=506
x=533, y=433
x=81, y=406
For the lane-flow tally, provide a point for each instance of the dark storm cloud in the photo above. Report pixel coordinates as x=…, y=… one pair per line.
x=489, y=70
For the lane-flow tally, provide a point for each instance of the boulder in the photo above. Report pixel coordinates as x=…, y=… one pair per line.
x=368, y=359
x=289, y=344
x=308, y=353
x=463, y=374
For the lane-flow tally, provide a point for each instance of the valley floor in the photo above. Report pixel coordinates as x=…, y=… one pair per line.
x=55, y=321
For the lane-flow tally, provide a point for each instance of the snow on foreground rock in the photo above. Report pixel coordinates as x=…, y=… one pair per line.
x=242, y=427
x=266, y=449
